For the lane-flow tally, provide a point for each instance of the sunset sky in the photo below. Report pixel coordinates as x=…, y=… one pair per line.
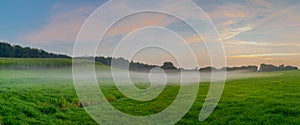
x=253, y=31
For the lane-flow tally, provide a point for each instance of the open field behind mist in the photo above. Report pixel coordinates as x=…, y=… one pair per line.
x=48, y=97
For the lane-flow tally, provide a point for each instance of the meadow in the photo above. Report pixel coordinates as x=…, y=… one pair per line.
x=48, y=96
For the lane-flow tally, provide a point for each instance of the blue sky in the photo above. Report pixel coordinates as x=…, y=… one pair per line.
x=21, y=18
x=253, y=31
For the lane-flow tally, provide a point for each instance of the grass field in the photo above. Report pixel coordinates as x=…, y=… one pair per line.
x=48, y=97
x=39, y=63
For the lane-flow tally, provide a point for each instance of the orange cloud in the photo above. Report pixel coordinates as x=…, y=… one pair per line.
x=265, y=44
x=264, y=55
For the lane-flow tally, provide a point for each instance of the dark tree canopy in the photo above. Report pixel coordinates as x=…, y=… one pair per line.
x=168, y=66
x=242, y=68
x=16, y=51
x=208, y=69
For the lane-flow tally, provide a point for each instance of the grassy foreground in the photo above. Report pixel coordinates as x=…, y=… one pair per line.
x=48, y=97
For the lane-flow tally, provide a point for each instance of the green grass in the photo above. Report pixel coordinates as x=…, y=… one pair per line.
x=261, y=100
x=39, y=63
x=25, y=63
x=49, y=97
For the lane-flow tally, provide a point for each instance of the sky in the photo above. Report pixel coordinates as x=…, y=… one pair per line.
x=252, y=31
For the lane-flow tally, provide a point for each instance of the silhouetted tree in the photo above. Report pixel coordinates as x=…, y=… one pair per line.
x=168, y=66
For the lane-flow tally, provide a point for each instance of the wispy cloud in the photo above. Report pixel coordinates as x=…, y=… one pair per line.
x=228, y=33
x=62, y=27
x=231, y=33
x=227, y=13
x=273, y=16
x=262, y=44
x=136, y=21
x=264, y=55
x=231, y=17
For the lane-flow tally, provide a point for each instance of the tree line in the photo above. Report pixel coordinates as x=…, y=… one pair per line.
x=121, y=63
x=272, y=68
x=137, y=66
x=16, y=51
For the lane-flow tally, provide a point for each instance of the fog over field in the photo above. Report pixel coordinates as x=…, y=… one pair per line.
x=159, y=76
x=186, y=77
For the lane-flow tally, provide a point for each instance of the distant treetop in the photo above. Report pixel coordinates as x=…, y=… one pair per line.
x=272, y=68
x=168, y=66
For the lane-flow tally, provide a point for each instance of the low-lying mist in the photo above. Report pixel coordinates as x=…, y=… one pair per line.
x=106, y=76
x=184, y=77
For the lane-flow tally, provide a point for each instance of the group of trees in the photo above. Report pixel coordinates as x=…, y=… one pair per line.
x=120, y=63
x=124, y=64
x=208, y=69
x=272, y=68
x=16, y=51
x=242, y=68
x=263, y=68
x=168, y=66
x=136, y=66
